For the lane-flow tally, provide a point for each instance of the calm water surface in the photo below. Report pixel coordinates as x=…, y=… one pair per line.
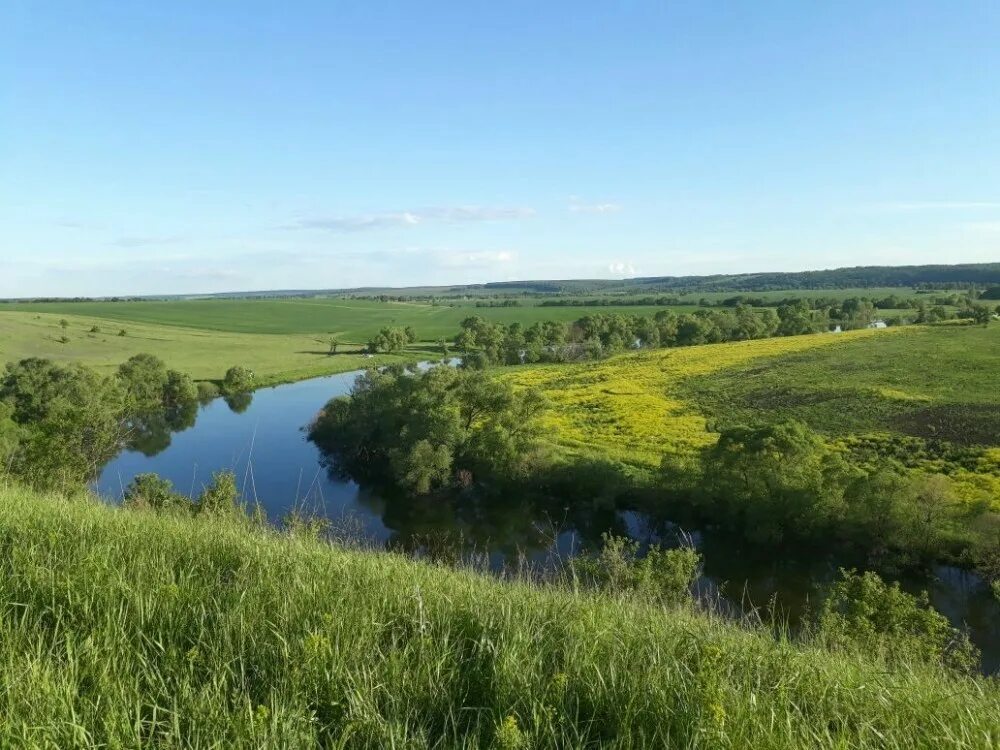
x=263, y=440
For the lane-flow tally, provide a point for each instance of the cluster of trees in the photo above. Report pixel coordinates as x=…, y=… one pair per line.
x=782, y=484
x=499, y=303
x=431, y=430
x=598, y=335
x=614, y=301
x=59, y=424
x=392, y=339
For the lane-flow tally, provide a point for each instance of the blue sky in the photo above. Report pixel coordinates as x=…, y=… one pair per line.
x=196, y=147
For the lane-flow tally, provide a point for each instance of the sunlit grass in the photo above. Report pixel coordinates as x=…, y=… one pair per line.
x=125, y=629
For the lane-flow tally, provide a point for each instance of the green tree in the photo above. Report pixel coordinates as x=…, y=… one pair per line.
x=774, y=481
x=143, y=378
x=221, y=497
x=238, y=379
x=178, y=390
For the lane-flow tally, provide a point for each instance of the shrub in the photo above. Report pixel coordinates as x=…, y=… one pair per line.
x=663, y=575
x=863, y=612
x=221, y=497
x=152, y=491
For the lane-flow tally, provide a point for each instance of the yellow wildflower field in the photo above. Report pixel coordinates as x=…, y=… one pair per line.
x=627, y=407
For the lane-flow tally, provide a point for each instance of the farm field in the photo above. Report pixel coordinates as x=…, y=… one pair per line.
x=203, y=354
x=353, y=320
x=918, y=382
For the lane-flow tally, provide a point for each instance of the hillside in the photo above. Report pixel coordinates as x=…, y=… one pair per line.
x=126, y=629
x=916, y=383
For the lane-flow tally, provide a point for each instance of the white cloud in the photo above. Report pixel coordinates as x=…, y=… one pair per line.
x=402, y=219
x=619, y=268
x=576, y=206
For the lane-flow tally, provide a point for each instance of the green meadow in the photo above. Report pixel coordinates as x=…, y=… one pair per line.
x=202, y=353
x=354, y=320
x=123, y=628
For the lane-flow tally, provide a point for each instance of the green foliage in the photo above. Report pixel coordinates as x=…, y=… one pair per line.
x=238, y=379
x=153, y=492
x=144, y=380
x=660, y=575
x=863, y=612
x=771, y=480
x=66, y=421
x=418, y=430
x=391, y=339
x=221, y=497
x=179, y=390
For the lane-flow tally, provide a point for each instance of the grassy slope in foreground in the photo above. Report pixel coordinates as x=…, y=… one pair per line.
x=203, y=354
x=125, y=629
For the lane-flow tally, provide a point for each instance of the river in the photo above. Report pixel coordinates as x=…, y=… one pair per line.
x=263, y=441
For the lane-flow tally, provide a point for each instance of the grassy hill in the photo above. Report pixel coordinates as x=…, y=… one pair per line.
x=204, y=354
x=127, y=629
x=915, y=381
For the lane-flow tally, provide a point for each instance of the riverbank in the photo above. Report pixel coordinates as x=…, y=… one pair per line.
x=225, y=634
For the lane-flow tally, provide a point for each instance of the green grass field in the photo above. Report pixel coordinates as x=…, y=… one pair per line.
x=126, y=629
x=204, y=354
x=354, y=320
x=939, y=381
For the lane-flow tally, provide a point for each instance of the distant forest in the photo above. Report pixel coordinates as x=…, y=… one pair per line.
x=929, y=276
x=960, y=276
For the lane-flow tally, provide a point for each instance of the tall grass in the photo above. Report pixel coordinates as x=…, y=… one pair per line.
x=124, y=629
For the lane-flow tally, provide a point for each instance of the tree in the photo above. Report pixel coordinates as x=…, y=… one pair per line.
x=388, y=339
x=238, y=379
x=773, y=481
x=981, y=315
x=143, y=378
x=64, y=324
x=221, y=497
x=419, y=430
x=152, y=491
x=179, y=390
x=425, y=466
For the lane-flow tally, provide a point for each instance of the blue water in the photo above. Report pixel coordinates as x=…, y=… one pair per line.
x=266, y=447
